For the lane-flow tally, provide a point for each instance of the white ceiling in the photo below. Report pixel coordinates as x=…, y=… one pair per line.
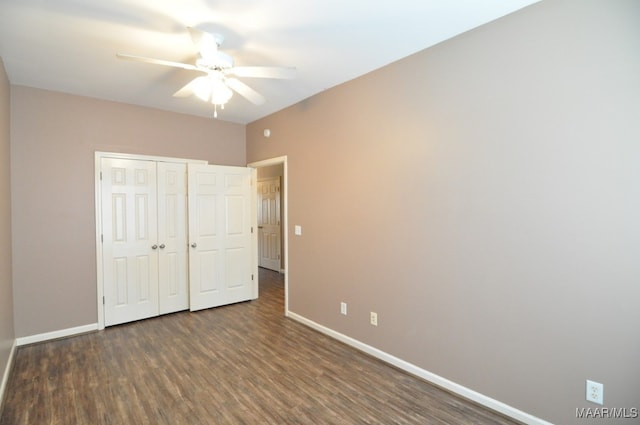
x=70, y=45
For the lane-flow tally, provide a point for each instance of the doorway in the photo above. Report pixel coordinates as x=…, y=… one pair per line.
x=284, y=186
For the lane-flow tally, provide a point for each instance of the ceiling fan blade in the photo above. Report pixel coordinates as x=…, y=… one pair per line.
x=200, y=87
x=207, y=44
x=186, y=90
x=245, y=91
x=264, y=72
x=158, y=62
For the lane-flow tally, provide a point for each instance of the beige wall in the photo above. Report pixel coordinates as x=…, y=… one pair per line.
x=481, y=196
x=7, y=336
x=54, y=137
x=270, y=171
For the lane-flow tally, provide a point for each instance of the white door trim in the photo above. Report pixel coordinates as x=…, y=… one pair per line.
x=284, y=190
x=98, y=211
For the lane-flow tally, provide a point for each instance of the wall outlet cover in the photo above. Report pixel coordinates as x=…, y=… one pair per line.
x=595, y=392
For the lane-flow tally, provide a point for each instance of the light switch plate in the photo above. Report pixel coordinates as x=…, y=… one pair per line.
x=297, y=230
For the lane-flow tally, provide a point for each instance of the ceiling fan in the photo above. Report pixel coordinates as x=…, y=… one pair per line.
x=219, y=80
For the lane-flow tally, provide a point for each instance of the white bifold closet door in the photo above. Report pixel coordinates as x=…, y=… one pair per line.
x=129, y=235
x=145, y=230
x=144, y=219
x=222, y=256
x=173, y=256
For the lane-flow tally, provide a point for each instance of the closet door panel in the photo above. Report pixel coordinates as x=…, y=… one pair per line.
x=222, y=266
x=172, y=237
x=129, y=233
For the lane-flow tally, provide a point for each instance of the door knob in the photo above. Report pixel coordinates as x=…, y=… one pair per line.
x=194, y=245
x=154, y=246
x=162, y=246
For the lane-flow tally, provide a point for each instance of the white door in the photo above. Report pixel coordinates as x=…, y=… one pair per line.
x=129, y=234
x=269, y=223
x=221, y=223
x=173, y=276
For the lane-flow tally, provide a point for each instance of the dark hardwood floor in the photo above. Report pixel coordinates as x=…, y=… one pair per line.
x=240, y=364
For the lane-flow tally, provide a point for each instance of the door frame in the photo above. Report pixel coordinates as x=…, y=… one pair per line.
x=284, y=190
x=98, y=210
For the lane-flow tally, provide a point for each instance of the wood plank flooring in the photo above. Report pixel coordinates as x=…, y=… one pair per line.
x=240, y=364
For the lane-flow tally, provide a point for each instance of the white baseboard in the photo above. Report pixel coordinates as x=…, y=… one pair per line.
x=7, y=370
x=57, y=334
x=437, y=380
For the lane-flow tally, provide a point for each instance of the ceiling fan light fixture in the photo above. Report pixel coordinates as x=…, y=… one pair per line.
x=220, y=93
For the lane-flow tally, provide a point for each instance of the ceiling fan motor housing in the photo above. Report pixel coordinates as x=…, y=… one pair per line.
x=220, y=60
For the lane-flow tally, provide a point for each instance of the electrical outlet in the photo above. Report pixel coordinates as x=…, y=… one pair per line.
x=374, y=318
x=343, y=308
x=595, y=392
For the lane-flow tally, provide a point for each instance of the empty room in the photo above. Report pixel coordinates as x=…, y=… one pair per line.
x=421, y=212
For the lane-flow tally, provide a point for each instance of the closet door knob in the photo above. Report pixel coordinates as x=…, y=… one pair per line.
x=154, y=246
x=162, y=246
x=194, y=245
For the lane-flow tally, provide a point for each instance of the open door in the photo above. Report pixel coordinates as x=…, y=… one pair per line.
x=222, y=235
x=269, y=224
